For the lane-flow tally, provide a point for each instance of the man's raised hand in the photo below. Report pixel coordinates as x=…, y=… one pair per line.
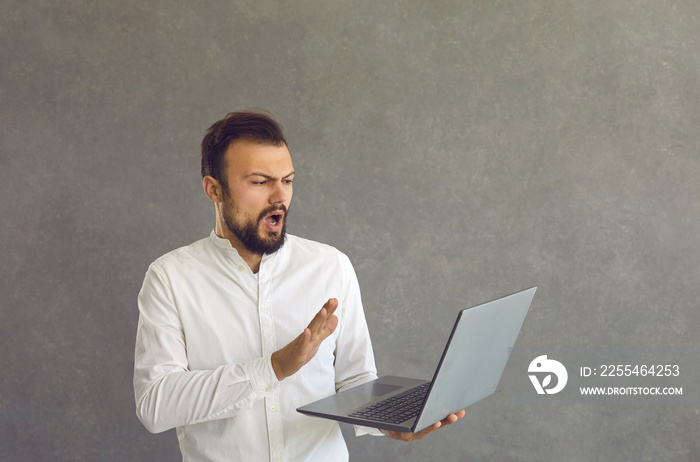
x=299, y=351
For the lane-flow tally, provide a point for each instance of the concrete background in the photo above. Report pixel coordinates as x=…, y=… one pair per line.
x=456, y=150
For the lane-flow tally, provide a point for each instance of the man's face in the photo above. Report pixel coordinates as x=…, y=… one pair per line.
x=256, y=202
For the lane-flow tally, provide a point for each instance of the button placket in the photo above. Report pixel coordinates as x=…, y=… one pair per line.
x=267, y=326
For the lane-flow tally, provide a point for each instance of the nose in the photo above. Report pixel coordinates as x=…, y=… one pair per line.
x=281, y=193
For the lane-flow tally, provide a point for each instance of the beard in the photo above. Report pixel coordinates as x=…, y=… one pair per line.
x=248, y=231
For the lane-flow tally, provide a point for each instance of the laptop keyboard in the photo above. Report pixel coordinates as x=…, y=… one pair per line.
x=396, y=409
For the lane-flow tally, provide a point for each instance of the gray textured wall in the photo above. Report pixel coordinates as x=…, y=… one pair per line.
x=455, y=150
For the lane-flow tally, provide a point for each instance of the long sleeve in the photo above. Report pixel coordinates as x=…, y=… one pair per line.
x=169, y=394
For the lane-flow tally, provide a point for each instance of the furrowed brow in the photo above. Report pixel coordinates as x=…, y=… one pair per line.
x=264, y=175
x=267, y=176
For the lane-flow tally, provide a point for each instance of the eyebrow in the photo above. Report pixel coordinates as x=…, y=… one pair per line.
x=269, y=177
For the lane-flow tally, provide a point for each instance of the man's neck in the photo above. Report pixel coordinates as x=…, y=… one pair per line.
x=250, y=258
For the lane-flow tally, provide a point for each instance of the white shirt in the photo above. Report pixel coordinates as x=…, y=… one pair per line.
x=207, y=328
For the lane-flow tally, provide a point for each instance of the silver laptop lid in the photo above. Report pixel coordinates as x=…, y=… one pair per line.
x=476, y=355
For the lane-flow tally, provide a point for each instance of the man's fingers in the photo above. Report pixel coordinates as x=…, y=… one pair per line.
x=332, y=324
x=315, y=338
x=427, y=431
x=295, y=354
x=320, y=327
x=304, y=342
x=452, y=418
x=320, y=321
x=408, y=436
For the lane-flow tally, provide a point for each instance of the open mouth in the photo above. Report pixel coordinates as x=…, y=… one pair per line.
x=274, y=219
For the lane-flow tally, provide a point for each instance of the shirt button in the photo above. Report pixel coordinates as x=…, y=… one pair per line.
x=273, y=408
x=268, y=389
x=263, y=309
x=277, y=459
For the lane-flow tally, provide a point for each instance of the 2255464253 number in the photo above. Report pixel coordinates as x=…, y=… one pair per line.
x=627, y=370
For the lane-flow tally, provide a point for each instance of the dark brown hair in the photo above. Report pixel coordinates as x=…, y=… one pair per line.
x=257, y=127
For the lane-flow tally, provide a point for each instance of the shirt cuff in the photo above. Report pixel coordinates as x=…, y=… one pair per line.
x=360, y=430
x=262, y=376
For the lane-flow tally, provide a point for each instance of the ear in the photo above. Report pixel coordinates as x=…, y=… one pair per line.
x=212, y=188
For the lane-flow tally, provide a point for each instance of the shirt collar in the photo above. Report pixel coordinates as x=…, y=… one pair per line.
x=220, y=241
x=223, y=243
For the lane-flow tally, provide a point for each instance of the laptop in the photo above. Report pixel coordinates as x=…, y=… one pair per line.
x=469, y=370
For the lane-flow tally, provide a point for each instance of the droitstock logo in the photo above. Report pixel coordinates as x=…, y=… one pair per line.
x=543, y=369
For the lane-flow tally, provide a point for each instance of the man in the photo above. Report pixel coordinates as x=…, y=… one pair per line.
x=225, y=351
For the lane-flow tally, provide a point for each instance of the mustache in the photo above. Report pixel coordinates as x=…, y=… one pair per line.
x=273, y=208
